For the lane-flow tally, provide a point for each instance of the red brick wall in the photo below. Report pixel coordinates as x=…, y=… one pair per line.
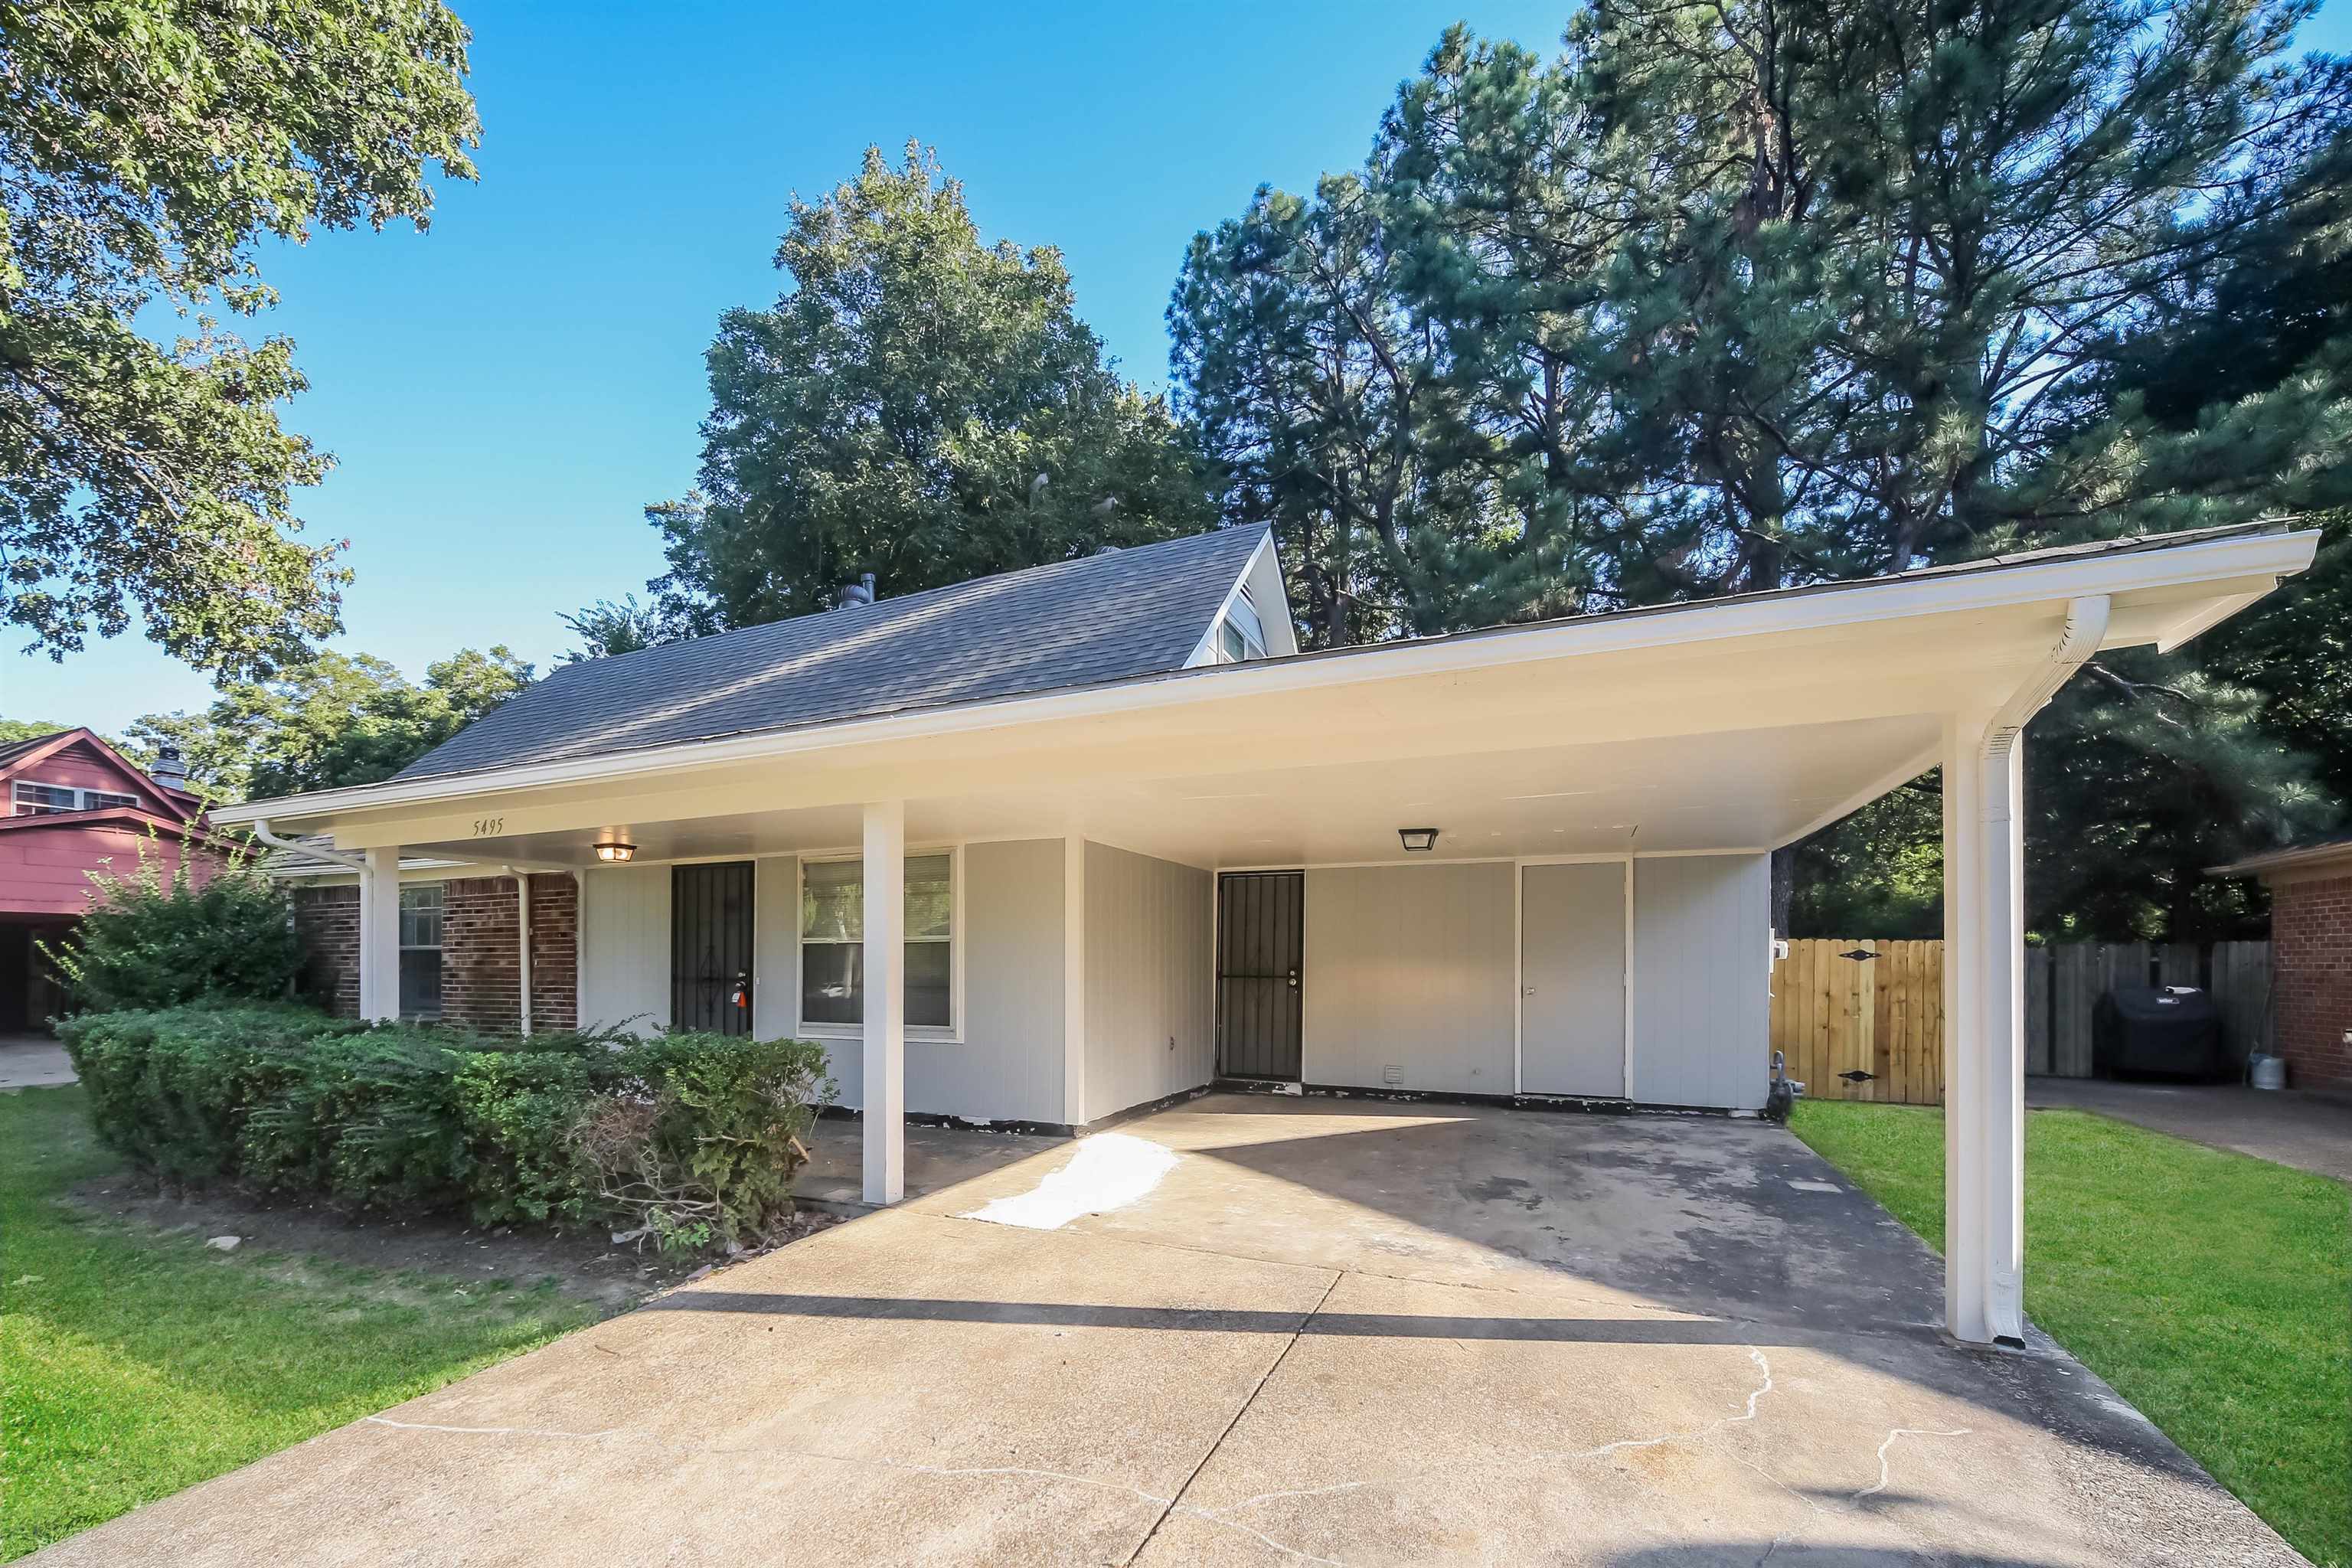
x=329, y=919
x=478, y=956
x=2311, y=969
x=480, y=963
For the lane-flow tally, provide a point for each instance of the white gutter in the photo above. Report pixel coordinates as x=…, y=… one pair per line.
x=1856, y=604
x=260, y=826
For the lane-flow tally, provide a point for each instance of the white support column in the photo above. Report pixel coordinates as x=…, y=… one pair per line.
x=1984, y=994
x=380, y=935
x=885, y=1112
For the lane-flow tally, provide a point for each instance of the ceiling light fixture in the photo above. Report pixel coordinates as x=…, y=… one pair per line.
x=617, y=853
x=1417, y=840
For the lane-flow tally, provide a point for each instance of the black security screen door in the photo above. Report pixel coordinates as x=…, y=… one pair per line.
x=710, y=948
x=1259, y=931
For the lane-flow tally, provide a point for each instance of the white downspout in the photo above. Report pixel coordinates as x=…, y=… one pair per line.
x=522, y=941
x=332, y=857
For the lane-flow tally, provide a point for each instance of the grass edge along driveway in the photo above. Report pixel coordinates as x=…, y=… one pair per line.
x=139, y=1362
x=2213, y=1290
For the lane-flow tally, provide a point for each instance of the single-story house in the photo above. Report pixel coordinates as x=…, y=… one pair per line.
x=1051, y=845
x=2310, y=958
x=71, y=806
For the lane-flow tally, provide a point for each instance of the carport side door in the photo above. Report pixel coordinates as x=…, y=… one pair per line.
x=710, y=948
x=1260, y=929
x=1572, y=979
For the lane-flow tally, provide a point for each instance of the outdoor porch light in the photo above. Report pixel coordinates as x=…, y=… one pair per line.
x=616, y=854
x=1418, y=840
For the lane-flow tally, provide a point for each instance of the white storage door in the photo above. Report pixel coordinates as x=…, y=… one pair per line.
x=1572, y=979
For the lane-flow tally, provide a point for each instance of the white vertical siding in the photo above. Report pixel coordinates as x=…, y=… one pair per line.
x=1148, y=985
x=1701, y=959
x=625, y=946
x=1009, y=1066
x=1412, y=967
x=775, y=947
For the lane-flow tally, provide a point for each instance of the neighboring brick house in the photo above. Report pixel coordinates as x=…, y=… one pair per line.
x=2310, y=958
x=461, y=961
x=72, y=806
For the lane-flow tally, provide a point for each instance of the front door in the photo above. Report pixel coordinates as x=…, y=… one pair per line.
x=1260, y=927
x=710, y=948
x=1572, y=979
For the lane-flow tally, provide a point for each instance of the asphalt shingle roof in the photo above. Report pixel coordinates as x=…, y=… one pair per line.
x=1113, y=616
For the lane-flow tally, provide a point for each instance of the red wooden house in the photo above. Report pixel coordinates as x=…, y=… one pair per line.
x=71, y=804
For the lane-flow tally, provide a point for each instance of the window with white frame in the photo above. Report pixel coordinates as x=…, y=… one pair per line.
x=833, y=941
x=43, y=800
x=420, y=950
x=30, y=799
x=1241, y=636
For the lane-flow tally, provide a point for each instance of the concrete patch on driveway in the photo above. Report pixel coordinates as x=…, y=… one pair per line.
x=1334, y=1334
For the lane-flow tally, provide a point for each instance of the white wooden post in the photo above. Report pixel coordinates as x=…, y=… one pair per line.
x=380, y=935
x=884, y=1112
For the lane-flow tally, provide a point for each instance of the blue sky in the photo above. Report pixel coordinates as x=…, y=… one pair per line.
x=506, y=392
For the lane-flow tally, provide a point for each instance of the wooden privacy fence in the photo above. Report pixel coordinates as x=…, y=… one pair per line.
x=1844, y=1007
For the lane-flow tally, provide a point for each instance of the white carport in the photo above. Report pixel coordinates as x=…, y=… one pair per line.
x=1728, y=727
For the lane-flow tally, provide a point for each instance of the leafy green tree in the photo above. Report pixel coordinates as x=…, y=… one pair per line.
x=337, y=721
x=610, y=626
x=144, y=147
x=920, y=406
x=15, y=729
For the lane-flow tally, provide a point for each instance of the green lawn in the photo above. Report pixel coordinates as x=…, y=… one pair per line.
x=2214, y=1291
x=133, y=1363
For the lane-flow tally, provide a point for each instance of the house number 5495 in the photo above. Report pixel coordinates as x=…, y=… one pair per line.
x=486, y=825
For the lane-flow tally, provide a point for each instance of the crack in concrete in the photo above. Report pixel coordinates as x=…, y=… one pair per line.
x=1763, y=1365
x=1258, y=1388
x=1880, y=1485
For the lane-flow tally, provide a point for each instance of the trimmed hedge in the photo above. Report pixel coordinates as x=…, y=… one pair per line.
x=690, y=1138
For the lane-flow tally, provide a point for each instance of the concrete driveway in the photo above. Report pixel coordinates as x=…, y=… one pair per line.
x=1316, y=1331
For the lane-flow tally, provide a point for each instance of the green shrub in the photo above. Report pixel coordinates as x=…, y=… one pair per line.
x=176, y=1088
x=520, y=1112
x=156, y=940
x=688, y=1139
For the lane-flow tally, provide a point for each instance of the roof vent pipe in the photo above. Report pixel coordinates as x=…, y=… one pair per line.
x=859, y=593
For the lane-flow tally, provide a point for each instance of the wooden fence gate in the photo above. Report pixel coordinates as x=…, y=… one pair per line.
x=1862, y=1020
x=1842, y=1007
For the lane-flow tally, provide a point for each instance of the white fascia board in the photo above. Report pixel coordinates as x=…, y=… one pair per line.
x=1865, y=603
